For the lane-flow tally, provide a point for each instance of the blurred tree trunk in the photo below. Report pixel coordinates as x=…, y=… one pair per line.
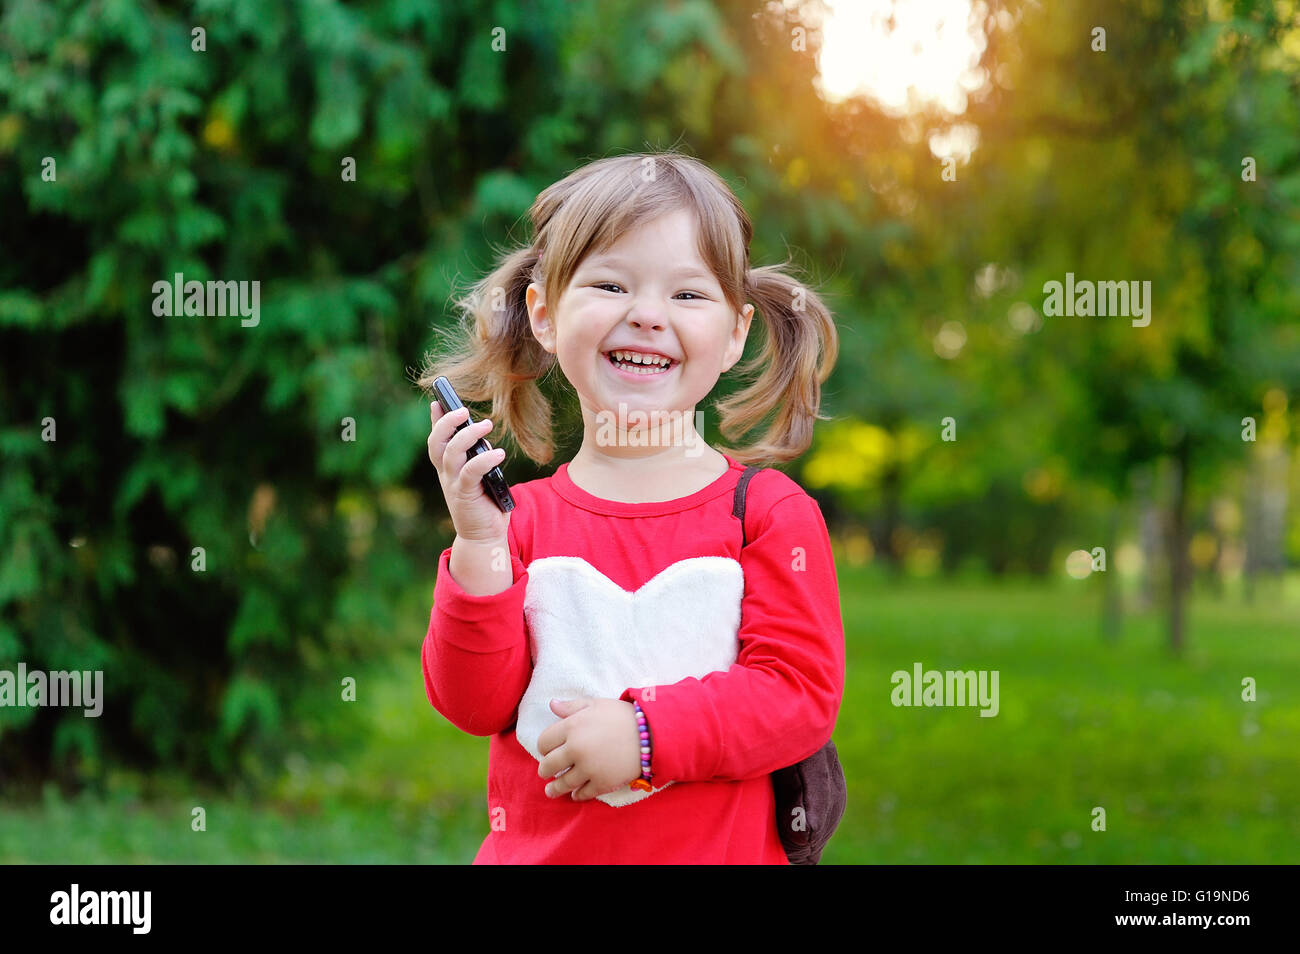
x=1150, y=521
x=1254, y=543
x=1266, y=506
x=1213, y=572
x=1112, y=603
x=1178, y=564
x=892, y=518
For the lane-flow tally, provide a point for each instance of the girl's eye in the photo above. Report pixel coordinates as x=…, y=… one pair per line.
x=695, y=296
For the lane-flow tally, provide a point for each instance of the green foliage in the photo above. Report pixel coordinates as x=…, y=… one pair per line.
x=181, y=432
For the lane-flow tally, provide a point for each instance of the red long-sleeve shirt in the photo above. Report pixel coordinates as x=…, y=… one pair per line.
x=643, y=602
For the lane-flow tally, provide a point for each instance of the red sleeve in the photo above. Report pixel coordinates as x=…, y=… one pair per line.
x=777, y=704
x=476, y=659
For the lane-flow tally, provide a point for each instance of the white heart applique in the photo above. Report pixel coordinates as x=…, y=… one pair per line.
x=590, y=637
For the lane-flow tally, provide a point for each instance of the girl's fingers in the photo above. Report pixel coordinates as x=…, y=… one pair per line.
x=444, y=424
x=440, y=432
x=464, y=438
x=476, y=469
x=591, y=791
x=468, y=473
x=457, y=451
x=554, y=762
x=587, y=792
x=568, y=782
x=452, y=445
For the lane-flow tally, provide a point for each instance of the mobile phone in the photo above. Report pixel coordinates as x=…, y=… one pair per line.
x=494, y=481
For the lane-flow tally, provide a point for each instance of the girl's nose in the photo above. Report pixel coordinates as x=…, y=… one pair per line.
x=642, y=319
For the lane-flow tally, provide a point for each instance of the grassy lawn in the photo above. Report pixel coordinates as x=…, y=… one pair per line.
x=1185, y=770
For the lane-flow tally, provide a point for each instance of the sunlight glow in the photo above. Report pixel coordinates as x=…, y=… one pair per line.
x=929, y=57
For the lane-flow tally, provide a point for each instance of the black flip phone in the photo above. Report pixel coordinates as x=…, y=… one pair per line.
x=494, y=482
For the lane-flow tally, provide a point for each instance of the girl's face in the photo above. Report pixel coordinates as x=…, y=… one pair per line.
x=648, y=297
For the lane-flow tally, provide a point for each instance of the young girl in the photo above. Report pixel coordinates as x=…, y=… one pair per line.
x=639, y=673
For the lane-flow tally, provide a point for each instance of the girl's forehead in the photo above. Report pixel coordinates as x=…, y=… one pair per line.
x=681, y=224
x=629, y=249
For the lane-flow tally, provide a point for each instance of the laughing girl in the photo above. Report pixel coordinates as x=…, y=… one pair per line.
x=641, y=658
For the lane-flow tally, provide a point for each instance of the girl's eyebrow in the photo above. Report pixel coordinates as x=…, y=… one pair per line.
x=688, y=271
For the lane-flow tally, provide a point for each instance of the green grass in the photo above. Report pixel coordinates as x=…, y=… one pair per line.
x=1185, y=770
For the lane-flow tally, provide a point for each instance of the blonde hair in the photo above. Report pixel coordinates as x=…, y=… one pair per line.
x=492, y=355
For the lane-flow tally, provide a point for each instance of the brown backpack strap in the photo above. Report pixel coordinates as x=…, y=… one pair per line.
x=738, y=502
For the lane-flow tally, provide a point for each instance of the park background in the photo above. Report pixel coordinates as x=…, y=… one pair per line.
x=1166, y=148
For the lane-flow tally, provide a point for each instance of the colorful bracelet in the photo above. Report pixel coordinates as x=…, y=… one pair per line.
x=643, y=729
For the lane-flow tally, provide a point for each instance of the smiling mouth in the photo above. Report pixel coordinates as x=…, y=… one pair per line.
x=637, y=363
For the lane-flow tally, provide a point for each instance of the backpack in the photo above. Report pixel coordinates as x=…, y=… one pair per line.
x=815, y=785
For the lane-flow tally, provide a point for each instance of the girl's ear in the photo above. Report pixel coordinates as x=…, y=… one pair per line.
x=736, y=346
x=539, y=318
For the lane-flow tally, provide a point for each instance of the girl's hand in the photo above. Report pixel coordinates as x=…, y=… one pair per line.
x=597, y=740
x=473, y=512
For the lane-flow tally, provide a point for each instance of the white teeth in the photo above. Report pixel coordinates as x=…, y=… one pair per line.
x=634, y=357
x=636, y=363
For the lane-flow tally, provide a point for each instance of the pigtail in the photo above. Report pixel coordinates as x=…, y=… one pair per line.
x=799, y=347
x=492, y=355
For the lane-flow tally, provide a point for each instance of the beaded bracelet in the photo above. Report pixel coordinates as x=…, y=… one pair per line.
x=643, y=729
